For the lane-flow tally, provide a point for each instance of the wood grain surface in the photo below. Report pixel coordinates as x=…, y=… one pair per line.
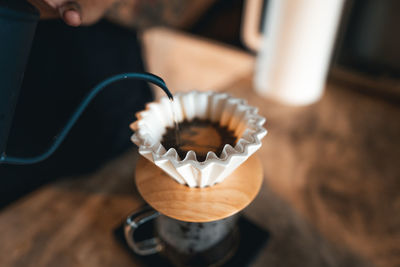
x=337, y=163
x=71, y=222
x=213, y=203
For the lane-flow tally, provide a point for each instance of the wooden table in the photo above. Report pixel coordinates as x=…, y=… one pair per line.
x=330, y=193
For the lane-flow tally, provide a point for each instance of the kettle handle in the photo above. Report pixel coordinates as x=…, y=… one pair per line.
x=250, y=24
x=18, y=19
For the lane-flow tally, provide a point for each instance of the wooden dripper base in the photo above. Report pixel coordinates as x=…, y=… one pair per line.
x=183, y=203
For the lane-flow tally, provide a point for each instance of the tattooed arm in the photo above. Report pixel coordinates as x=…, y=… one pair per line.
x=141, y=14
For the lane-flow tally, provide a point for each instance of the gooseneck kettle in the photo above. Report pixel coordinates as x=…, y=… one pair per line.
x=18, y=20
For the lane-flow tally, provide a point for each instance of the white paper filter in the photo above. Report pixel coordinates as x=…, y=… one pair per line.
x=228, y=111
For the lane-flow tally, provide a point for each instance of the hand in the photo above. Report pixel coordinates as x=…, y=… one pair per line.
x=74, y=12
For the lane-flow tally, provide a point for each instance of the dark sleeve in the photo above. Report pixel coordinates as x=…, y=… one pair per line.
x=64, y=63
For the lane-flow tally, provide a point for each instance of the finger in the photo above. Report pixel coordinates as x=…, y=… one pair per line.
x=72, y=18
x=71, y=13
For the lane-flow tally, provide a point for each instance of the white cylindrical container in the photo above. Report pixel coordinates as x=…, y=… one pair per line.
x=295, y=48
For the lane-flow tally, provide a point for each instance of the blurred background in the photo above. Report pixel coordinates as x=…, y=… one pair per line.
x=365, y=50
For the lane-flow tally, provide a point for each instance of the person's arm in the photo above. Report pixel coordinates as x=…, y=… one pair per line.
x=129, y=13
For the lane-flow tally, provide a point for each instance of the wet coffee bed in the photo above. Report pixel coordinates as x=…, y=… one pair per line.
x=198, y=135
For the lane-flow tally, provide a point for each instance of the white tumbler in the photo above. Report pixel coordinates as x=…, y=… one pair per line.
x=295, y=48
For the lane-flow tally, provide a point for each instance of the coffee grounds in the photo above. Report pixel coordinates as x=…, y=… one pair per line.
x=198, y=135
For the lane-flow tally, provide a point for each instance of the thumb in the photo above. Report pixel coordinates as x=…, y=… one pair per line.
x=71, y=13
